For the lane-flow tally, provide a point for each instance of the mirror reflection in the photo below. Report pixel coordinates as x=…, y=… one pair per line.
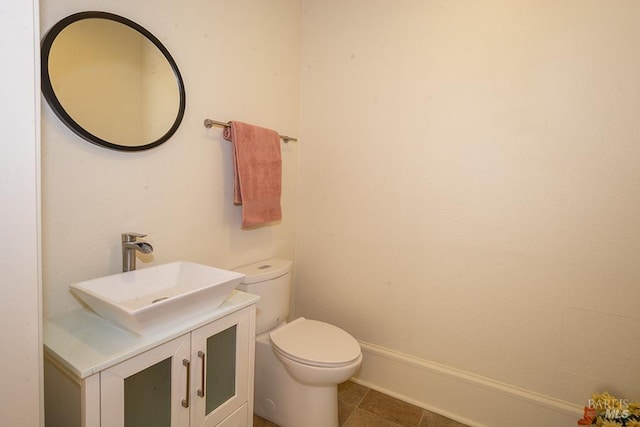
x=111, y=81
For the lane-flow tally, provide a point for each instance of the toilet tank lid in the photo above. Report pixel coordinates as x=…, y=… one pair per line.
x=264, y=270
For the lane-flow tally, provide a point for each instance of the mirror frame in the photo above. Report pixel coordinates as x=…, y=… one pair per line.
x=58, y=108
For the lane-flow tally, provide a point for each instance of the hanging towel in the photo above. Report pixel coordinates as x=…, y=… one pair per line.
x=257, y=173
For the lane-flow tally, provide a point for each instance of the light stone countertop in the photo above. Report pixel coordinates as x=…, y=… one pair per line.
x=85, y=343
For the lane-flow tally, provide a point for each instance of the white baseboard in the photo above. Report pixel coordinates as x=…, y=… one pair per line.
x=470, y=399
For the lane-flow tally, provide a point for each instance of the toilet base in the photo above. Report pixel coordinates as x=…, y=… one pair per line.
x=286, y=402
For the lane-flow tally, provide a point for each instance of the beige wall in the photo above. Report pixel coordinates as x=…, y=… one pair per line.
x=239, y=61
x=469, y=186
x=21, y=355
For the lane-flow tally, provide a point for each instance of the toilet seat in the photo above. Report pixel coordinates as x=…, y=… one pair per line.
x=315, y=343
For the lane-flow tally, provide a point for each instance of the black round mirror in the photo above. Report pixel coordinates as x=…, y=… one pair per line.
x=111, y=81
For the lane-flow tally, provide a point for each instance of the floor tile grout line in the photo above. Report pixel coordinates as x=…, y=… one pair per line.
x=356, y=406
x=386, y=420
x=362, y=398
x=424, y=411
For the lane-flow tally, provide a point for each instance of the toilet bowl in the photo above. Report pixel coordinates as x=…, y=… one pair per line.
x=316, y=353
x=300, y=363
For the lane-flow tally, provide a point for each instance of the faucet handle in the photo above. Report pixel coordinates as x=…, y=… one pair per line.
x=131, y=236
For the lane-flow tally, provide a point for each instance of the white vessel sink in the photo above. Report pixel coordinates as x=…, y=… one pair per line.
x=146, y=300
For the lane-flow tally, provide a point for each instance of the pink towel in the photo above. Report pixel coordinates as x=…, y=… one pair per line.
x=257, y=173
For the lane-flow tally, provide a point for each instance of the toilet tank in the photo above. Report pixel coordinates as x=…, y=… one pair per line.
x=271, y=280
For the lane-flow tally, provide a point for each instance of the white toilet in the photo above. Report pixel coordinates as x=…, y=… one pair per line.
x=298, y=364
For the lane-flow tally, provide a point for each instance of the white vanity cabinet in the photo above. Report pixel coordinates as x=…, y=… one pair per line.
x=198, y=374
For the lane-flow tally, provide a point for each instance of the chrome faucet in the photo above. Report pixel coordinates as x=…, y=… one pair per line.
x=129, y=248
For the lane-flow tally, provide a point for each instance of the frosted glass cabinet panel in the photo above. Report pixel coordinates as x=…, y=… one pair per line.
x=221, y=368
x=128, y=389
x=223, y=349
x=147, y=397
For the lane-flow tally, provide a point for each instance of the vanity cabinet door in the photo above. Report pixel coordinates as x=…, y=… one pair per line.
x=222, y=368
x=151, y=389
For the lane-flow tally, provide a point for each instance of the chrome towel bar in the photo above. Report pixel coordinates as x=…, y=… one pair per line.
x=208, y=123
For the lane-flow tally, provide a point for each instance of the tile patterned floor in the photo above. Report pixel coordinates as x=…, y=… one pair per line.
x=359, y=406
